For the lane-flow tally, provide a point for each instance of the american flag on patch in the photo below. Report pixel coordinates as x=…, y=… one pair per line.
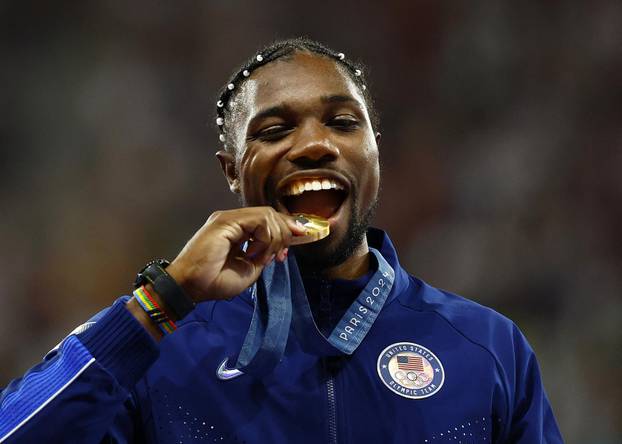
x=407, y=362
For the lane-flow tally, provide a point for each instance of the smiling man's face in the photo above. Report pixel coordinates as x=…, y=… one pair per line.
x=305, y=144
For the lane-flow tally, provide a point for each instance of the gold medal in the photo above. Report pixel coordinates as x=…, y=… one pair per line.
x=316, y=228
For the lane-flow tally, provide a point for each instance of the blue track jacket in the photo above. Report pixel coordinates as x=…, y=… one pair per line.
x=434, y=368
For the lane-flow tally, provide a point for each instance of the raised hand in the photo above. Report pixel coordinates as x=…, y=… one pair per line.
x=213, y=265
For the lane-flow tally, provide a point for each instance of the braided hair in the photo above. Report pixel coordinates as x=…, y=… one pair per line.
x=283, y=49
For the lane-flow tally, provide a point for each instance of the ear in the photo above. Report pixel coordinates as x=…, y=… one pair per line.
x=378, y=136
x=227, y=163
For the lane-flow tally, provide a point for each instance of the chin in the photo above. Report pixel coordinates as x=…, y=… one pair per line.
x=321, y=255
x=338, y=246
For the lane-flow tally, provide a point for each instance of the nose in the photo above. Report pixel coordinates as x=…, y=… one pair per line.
x=313, y=146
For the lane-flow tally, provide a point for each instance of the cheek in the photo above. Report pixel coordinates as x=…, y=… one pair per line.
x=251, y=178
x=255, y=170
x=373, y=182
x=371, y=177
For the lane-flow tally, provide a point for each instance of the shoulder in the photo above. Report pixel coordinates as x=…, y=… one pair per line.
x=477, y=323
x=528, y=415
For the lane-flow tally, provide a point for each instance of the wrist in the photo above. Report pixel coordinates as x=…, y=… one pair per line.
x=171, y=296
x=141, y=316
x=175, y=271
x=153, y=308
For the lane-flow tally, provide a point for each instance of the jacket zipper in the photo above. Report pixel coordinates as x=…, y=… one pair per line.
x=324, y=325
x=332, y=410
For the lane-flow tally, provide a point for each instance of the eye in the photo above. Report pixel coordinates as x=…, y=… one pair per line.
x=344, y=122
x=273, y=133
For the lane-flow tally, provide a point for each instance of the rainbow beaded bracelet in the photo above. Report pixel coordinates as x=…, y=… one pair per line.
x=154, y=311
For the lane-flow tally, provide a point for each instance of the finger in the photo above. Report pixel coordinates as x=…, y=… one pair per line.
x=282, y=255
x=261, y=258
x=255, y=250
x=260, y=243
x=294, y=225
x=279, y=231
x=284, y=229
x=268, y=232
x=278, y=235
x=269, y=259
x=262, y=232
x=288, y=236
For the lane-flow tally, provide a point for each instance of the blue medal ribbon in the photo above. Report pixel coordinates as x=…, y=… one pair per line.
x=267, y=335
x=280, y=301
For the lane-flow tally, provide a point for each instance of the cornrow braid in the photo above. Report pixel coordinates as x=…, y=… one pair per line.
x=283, y=49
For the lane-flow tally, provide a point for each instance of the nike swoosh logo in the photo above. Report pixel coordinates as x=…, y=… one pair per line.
x=224, y=374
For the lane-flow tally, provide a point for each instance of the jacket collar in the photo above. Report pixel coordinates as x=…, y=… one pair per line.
x=380, y=240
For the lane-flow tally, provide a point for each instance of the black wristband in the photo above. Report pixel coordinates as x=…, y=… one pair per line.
x=172, y=295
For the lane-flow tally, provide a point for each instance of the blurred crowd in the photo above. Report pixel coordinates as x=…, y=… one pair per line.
x=501, y=148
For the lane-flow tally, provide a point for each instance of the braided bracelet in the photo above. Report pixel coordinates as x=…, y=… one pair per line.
x=154, y=311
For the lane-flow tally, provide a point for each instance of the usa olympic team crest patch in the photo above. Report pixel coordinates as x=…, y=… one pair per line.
x=411, y=370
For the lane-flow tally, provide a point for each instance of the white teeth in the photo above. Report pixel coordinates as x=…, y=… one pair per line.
x=299, y=187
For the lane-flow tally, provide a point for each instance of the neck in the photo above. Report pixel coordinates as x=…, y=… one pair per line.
x=353, y=267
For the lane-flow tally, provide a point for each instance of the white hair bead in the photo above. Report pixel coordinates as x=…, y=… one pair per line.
x=357, y=72
x=222, y=137
x=341, y=56
x=259, y=58
x=364, y=87
x=230, y=86
x=219, y=104
x=245, y=73
x=220, y=121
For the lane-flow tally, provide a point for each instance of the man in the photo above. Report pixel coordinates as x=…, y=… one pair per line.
x=343, y=345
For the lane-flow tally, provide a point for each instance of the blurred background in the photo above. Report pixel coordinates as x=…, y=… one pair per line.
x=501, y=150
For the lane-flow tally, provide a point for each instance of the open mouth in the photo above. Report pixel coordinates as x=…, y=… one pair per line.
x=319, y=196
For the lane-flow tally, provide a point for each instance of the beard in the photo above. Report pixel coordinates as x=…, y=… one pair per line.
x=318, y=256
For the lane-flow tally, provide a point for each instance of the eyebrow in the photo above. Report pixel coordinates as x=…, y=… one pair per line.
x=279, y=110
x=273, y=111
x=337, y=98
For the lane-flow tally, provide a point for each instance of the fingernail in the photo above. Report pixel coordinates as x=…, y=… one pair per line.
x=282, y=255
